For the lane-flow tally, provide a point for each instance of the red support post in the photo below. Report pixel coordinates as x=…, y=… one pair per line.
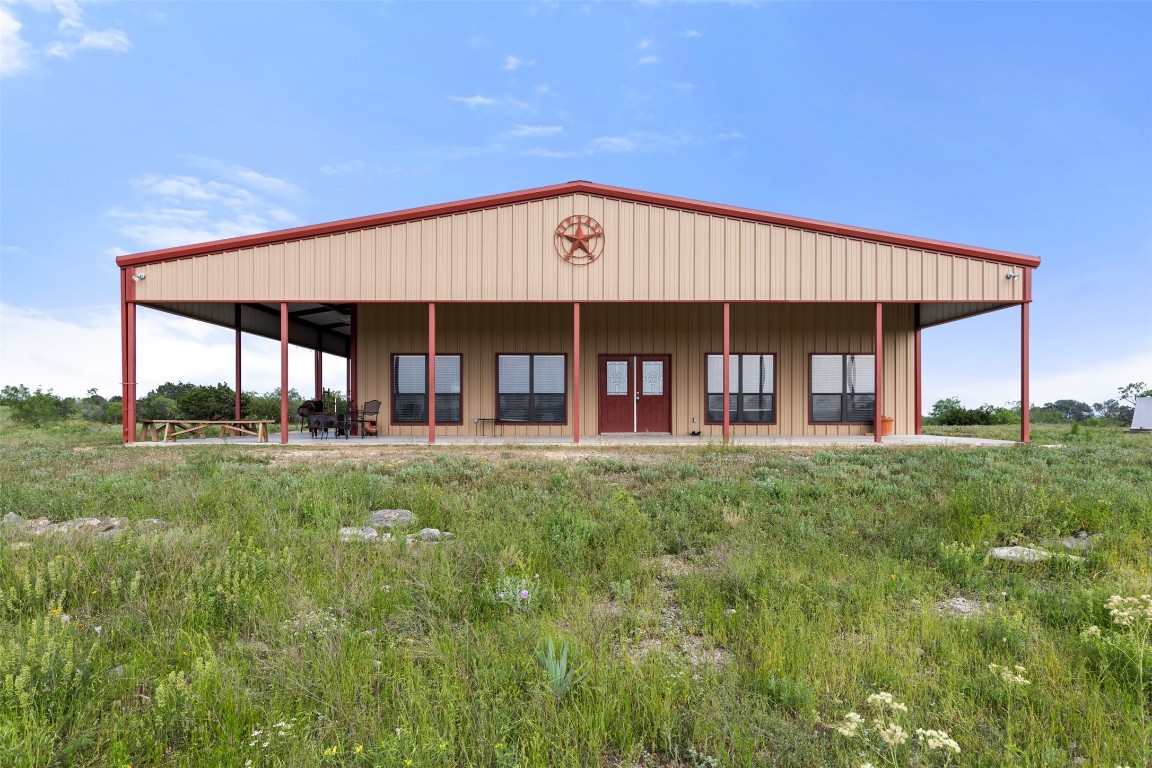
x=575, y=372
x=878, y=427
x=130, y=394
x=1025, y=404
x=127, y=433
x=431, y=372
x=283, y=373
x=727, y=383
x=919, y=388
x=239, y=413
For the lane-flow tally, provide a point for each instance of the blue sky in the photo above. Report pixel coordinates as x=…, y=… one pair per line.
x=1017, y=126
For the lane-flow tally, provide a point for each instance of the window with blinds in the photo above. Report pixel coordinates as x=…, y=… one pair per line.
x=531, y=389
x=751, y=389
x=843, y=389
x=410, y=389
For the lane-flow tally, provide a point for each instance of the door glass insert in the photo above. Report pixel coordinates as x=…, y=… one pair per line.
x=653, y=373
x=617, y=377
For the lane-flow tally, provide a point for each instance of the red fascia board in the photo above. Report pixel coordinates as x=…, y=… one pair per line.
x=572, y=187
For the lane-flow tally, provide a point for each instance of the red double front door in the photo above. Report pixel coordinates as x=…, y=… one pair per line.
x=635, y=393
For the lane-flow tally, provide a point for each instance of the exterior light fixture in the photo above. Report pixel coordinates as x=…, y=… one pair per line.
x=1012, y=276
x=139, y=276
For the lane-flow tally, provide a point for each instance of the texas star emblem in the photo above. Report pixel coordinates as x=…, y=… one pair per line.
x=579, y=239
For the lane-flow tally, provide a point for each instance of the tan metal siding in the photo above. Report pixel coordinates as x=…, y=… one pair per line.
x=686, y=332
x=508, y=254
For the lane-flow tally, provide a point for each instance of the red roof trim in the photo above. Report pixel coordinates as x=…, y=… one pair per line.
x=572, y=187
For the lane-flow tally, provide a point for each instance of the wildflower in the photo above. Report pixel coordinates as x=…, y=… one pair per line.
x=332, y=750
x=867, y=765
x=408, y=761
x=443, y=746
x=65, y=618
x=97, y=629
x=523, y=594
x=94, y=591
x=358, y=750
x=885, y=700
x=893, y=735
x=1092, y=631
x=56, y=611
x=937, y=740
x=396, y=731
x=537, y=577
x=851, y=724
x=500, y=595
x=1014, y=676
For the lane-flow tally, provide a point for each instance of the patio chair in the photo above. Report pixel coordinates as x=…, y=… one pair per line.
x=367, y=417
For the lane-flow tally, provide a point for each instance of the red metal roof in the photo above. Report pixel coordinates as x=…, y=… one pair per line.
x=571, y=187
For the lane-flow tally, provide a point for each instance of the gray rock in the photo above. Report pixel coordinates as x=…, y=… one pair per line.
x=1081, y=541
x=961, y=607
x=116, y=672
x=39, y=525
x=391, y=518
x=358, y=533
x=429, y=534
x=1026, y=555
x=80, y=525
x=112, y=524
x=12, y=519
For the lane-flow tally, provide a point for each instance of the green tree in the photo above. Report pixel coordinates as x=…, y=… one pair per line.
x=1073, y=410
x=35, y=408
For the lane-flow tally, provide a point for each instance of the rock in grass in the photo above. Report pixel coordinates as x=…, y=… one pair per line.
x=12, y=519
x=391, y=518
x=1026, y=555
x=961, y=607
x=359, y=533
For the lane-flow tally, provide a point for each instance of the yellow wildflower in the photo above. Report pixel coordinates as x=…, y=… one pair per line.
x=359, y=749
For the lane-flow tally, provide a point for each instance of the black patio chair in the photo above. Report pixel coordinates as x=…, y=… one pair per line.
x=368, y=415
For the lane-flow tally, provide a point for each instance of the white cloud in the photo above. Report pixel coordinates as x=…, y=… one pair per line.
x=730, y=136
x=98, y=40
x=15, y=52
x=555, y=153
x=475, y=101
x=613, y=144
x=350, y=166
x=72, y=35
x=650, y=59
x=534, y=131
x=85, y=353
x=645, y=44
x=512, y=62
x=183, y=209
x=690, y=33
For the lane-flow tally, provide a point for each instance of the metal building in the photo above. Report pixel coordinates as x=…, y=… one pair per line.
x=582, y=309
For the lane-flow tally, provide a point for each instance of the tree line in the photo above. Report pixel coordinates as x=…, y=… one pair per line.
x=179, y=400
x=182, y=400
x=1118, y=411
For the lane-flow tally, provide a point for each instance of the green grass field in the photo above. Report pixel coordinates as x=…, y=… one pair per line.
x=719, y=606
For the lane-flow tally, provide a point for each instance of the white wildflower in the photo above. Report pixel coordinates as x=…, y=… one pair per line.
x=1092, y=631
x=851, y=725
x=937, y=740
x=1009, y=676
x=893, y=735
x=885, y=700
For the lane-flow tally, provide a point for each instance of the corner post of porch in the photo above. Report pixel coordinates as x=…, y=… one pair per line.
x=727, y=383
x=283, y=373
x=575, y=372
x=239, y=414
x=878, y=426
x=1025, y=402
x=128, y=356
x=431, y=372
